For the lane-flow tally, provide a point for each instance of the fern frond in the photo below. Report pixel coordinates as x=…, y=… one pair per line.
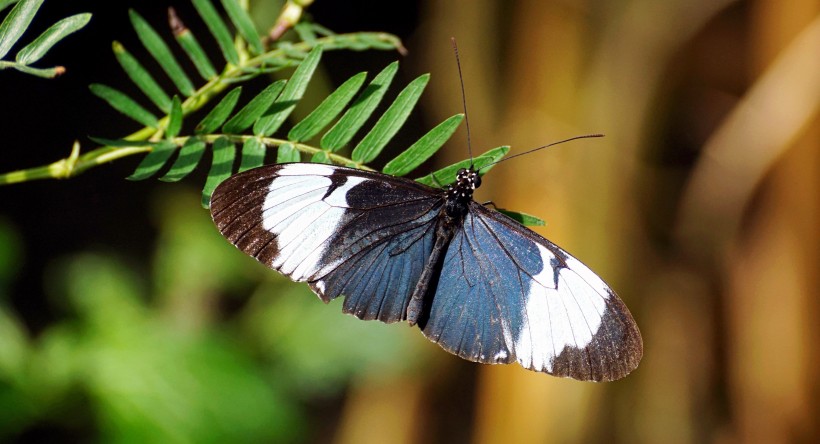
x=165, y=121
x=17, y=22
x=268, y=110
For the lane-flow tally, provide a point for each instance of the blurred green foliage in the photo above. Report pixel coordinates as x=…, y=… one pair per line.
x=183, y=355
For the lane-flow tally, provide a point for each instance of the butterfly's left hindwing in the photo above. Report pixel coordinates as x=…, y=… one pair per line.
x=344, y=231
x=507, y=294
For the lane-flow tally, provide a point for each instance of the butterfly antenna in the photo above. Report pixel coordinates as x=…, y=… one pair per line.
x=463, y=99
x=585, y=136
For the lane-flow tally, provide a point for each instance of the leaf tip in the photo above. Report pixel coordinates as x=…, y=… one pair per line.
x=177, y=26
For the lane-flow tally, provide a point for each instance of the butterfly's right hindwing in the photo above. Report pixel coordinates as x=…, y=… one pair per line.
x=346, y=232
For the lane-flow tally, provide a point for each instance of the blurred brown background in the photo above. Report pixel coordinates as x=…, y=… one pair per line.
x=700, y=207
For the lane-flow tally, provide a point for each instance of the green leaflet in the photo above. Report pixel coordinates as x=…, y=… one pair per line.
x=328, y=110
x=152, y=163
x=174, y=119
x=287, y=153
x=374, y=142
x=254, y=109
x=253, y=154
x=35, y=50
x=124, y=104
x=360, y=111
x=219, y=113
x=425, y=147
x=162, y=54
x=221, y=166
x=16, y=22
x=291, y=95
x=447, y=174
x=218, y=29
x=522, y=218
x=188, y=159
x=142, y=78
x=244, y=25
x=121, y=143
x=6, y=3
x=321, y=157
x=191, y=46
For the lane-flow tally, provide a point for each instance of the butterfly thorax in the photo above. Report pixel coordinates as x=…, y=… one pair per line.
x=460, y=193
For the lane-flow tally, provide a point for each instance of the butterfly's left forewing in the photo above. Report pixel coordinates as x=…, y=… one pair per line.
x=346, y=232
x=507, y=294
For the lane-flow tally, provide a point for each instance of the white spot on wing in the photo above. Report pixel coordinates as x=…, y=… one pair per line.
x=554, y=318
x=306, y=169
x=302, y=218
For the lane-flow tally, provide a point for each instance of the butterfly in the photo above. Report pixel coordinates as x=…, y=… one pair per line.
x=474, y=281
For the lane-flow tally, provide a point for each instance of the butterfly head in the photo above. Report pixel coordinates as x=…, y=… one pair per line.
x=467, y=180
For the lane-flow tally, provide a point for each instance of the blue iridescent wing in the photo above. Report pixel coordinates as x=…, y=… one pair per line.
x=346, y=232
x=506, y=294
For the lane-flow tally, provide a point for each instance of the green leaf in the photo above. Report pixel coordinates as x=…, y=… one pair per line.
x=221, y=166
x=287, y=153
x=389, y=123
x=160, y=51
x=35, y=50
x=292, y=93
x=187, y=160
x=447, y=174
x=121, y=143
x=142, y=78
x=217, y=27
x=424, y=148
x=244, y=25
x=253, y=154
x=522, y=218
x=124, y=104
x=6, y=3
x=174, y=118
x=360, y=111
x=152, y=162
x=327, y=110
x=16, y=23
x=191, y=46
x=321, y=157
x=220, y=113
x=254, y=109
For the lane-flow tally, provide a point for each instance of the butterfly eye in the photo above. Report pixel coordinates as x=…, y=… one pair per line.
x=476, y=180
